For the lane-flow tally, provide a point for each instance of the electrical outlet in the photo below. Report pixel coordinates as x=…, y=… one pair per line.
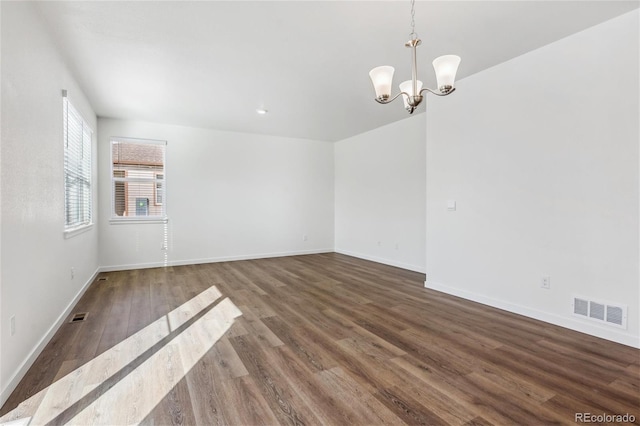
x=12, y=325
x=73, y=272
x=546, y=282
x=304, y=237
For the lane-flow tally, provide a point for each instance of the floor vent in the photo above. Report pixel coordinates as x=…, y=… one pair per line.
x=81, y=316
x=103, y=279
x=609, y=313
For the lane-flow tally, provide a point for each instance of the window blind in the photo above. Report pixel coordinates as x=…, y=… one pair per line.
x=77, y=168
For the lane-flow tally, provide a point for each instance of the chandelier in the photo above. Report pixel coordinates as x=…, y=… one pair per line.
x=411, y=90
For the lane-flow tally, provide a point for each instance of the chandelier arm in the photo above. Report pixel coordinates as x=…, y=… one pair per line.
x=386, y=101
x=426, y=89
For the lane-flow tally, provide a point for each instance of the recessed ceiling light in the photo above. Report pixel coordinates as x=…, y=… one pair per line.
x=261, y=111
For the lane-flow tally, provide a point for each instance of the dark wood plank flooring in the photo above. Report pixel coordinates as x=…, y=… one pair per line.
x=330, y=339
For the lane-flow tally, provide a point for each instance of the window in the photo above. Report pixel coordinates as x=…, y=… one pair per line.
x=77, y=168
x=138, y=179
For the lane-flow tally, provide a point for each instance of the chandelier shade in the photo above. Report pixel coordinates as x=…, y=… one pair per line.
x=382, y=78
x=446, y=68
x=406, y=87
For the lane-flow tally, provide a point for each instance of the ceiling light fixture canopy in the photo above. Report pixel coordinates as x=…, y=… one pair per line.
x=445, y=67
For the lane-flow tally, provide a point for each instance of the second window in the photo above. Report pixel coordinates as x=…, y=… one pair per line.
x=138, y=179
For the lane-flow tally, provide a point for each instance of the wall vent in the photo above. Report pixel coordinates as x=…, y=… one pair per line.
x=596, y=310
x=581, y=307
x=613, y=314
x=81, y=316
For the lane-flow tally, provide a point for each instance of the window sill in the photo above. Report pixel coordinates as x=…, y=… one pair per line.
x=138, y=220
x=72, y=232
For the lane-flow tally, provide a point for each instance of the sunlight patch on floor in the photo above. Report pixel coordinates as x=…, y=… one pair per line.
x=104, y=392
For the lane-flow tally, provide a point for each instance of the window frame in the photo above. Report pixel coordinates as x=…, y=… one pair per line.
x=115, y=219
x=84, y=175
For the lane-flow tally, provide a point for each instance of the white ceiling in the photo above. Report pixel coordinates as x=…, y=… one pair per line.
x=212, y=63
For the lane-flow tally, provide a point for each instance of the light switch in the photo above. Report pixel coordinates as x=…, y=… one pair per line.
x=451, y=205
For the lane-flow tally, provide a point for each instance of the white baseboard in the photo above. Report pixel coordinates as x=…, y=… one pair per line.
x=570, y=323
x=402, y=265
x=39, y=347
x=211, y=260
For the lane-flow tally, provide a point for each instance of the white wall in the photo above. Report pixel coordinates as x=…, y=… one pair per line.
x=36, y=259
x=380, y=194
x=229, y=196
x=541, y=155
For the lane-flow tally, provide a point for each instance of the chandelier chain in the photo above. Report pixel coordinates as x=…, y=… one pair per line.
x=413, y=21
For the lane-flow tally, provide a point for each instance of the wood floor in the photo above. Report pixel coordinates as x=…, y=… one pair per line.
x=317, y=339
